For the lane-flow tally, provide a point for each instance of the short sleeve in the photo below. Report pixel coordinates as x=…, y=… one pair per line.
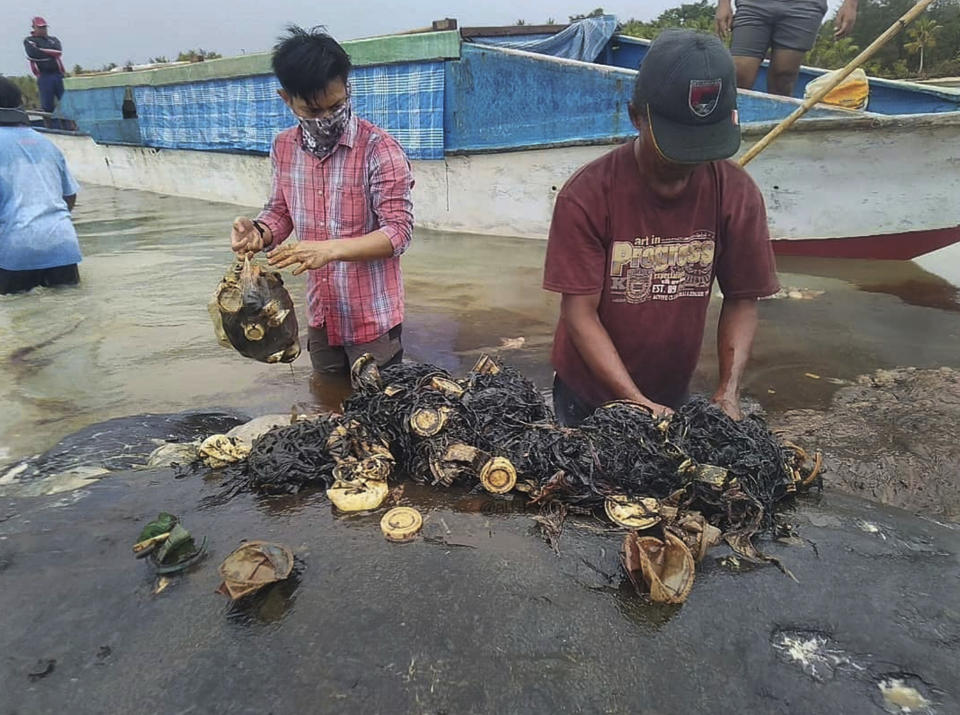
x=70, y=185
x=745, y=264
x=576, y=250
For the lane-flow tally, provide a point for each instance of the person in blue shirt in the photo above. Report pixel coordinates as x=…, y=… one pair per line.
x=38, y=243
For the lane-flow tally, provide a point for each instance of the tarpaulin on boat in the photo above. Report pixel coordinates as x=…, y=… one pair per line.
x=245, y=113
x=582, y=40
x=99, y=113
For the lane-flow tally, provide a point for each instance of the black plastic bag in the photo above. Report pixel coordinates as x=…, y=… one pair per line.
x=253, y=313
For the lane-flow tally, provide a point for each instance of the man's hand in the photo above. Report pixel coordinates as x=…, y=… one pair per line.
x=305, y=255
x=729, y=403
x=591, y=339
x=846, y=17
x=658, y=410
x=724, y=18
x=244, y=237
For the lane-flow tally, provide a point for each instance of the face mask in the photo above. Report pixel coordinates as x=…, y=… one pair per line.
x=321, y=136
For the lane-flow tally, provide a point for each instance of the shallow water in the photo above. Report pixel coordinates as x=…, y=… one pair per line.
x=135, y=336
x=478, y=614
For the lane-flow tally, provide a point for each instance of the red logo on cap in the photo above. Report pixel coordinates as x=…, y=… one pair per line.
x=704, y=95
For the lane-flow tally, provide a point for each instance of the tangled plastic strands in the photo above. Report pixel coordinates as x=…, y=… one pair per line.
x=410, y=373
x=416, y=420
x=560, y=462
x=502, y=406
x=287, y=459
x=758, y=469
x=423, y=412
x=417, y=411
x=282, y=461
x=634, y=456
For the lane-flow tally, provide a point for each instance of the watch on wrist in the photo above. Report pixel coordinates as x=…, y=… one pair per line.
x=261, y=230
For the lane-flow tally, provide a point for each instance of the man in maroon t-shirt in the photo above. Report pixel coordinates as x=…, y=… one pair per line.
x=639, y=234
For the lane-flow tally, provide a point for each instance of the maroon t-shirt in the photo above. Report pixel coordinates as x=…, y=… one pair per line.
x=653, y=261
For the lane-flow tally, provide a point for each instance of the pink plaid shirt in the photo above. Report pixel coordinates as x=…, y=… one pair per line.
x=363, y=186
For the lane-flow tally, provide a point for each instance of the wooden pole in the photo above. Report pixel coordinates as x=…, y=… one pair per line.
x=837, y=78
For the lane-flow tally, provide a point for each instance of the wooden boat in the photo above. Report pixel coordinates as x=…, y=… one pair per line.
x=494, y=131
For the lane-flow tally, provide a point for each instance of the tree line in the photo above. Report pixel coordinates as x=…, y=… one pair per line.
x=28, y=84
x=198, y=55
x=930, y=47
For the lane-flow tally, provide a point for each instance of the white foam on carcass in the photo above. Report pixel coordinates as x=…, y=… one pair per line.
x=813, y=654
x=871, y=528
x=901, y=698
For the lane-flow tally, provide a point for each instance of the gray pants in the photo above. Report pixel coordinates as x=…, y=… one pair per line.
x=781, y=24
x=330, y=359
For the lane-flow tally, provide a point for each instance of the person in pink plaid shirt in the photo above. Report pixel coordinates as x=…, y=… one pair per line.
x=343, y=184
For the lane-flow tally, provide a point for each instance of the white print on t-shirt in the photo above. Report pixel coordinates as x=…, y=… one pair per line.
x=656, y=268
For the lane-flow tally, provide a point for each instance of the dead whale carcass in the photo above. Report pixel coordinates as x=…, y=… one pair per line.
x=253, y=313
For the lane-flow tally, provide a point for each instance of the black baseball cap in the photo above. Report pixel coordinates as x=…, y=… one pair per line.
x=687, y=89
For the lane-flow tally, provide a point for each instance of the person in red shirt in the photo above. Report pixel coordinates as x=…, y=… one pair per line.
x=639, y=235
x=343, y=184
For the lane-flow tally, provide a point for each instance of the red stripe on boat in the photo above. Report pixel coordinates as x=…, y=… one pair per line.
x=888, y=246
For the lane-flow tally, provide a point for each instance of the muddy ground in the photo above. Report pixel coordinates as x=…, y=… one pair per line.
x=478, y=615
x=893, y=437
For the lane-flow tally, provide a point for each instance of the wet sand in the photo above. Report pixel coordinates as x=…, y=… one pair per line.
x=890, y=437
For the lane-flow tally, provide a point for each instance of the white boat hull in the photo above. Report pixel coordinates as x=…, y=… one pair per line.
x=858, y=187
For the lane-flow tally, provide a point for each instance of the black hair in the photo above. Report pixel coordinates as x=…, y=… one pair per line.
x=10, y=95
x=305, y=61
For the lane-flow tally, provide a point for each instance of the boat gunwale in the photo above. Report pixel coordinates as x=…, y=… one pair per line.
x=951, y=94
x=758, y=129
x=749, y=130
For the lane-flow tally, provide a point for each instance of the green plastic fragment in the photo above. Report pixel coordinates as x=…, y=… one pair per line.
x=161, y=525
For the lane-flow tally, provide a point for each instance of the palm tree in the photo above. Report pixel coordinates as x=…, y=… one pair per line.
x=924, y=34
x=832, y=54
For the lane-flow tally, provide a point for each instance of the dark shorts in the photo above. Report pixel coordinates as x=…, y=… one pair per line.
x=330, y=359
x=569, y=408
x=21, y=281
x=780, y=24
x=50, y=87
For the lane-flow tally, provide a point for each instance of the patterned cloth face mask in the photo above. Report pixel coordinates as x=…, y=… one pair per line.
x=321, y=136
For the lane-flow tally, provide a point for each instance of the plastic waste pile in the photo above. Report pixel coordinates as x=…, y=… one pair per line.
x=677, y=485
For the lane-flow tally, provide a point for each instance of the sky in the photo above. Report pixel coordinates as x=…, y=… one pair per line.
x=96, y=32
